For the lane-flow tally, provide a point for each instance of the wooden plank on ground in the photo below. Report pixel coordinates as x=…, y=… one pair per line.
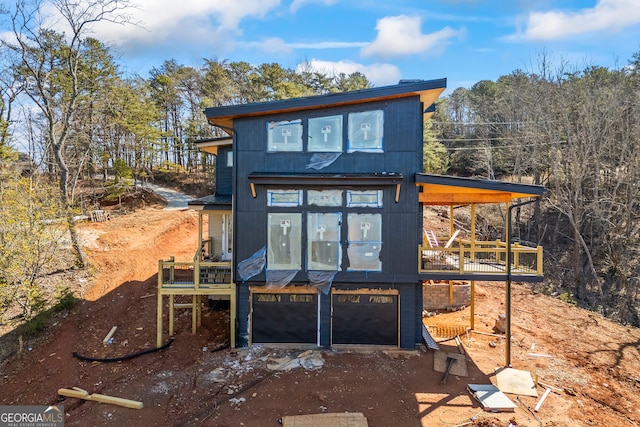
x=102, y=398
x=347, y=419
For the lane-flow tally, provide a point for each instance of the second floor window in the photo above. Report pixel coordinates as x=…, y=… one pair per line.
x=284, y=135
x=325, y=134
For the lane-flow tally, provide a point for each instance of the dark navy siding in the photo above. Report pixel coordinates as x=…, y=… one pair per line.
x=223, y=173
x=402, y=154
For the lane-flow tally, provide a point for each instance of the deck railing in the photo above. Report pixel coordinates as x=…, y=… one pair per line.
x=196, y=275
x=480, y=257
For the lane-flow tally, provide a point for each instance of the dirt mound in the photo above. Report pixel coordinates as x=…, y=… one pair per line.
x=590, y=362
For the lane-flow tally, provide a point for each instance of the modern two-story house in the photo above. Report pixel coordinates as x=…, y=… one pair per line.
x=315, y=233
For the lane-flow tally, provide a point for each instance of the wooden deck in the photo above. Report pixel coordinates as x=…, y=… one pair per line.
x=468, y=258
x=196, y=279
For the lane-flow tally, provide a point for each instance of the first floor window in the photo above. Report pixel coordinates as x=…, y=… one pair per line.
x=323, y=241
x=284, y=241
x=318, y=241
x=364, y=242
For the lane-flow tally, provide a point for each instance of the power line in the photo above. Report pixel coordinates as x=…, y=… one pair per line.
x=481, y=123
x=499, y=147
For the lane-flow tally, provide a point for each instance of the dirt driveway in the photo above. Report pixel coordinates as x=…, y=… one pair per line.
x=198, y=381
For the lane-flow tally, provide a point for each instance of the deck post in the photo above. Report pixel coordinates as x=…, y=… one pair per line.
x=159, y=320
x=509, y=258
x=473, y=304
x=232, y=315
x=194, y=314
x=171, y=314
x=199, y=253
x=473, y=232
x=450, y=220
x=539, y=261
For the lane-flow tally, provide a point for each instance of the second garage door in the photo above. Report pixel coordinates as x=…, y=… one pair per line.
x=364, y=317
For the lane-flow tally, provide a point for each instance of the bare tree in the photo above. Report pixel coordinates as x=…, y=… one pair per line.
x=50, y=63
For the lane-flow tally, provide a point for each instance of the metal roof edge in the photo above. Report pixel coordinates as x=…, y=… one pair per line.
x=363, y=95
x=457, y=181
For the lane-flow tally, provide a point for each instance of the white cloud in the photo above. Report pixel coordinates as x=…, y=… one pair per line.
x=605, y=15
x=402, y=36
x=269, y=45
x=327, y=45
x=297, y=4
x=162, y=20
x=379, y=74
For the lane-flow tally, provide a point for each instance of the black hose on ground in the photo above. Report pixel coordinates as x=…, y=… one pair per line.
x=122, y=358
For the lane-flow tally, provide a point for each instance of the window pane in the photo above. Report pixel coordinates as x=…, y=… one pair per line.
x=323, y=241
x=284, y=238
x=285, y=136
x=366, y=131
x=269, y=298
x=362, y=199
x=284, y=197
x=364, y=242
x=325, y=134
x=365, y=227
x=300, y=298
x=354, y=299
x=364, y=256
x=324, y=197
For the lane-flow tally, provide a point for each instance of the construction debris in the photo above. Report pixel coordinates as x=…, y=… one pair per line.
x=541, y=401
x=428, y=339
x=450, y=362
x=441, y=362
x=347, y=419
x=102, y=398
x=491, y=398
x=106, y=339
x=309, y=360
x=515, y=381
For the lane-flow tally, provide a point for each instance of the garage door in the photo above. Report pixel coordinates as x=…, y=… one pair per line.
x=364, y=318
x=284, y=318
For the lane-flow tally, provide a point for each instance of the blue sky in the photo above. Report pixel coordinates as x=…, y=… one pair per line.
x=462, y=40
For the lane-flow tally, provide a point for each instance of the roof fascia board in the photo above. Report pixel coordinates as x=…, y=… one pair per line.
x=434, y=87
x=521, y=190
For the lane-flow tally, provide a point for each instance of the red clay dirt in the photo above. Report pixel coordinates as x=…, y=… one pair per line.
x=197, y=381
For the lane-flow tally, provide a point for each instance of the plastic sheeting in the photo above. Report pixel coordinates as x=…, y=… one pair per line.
x=322, y=160
x=280, y=278
x=322, y=280
x=253, y=265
